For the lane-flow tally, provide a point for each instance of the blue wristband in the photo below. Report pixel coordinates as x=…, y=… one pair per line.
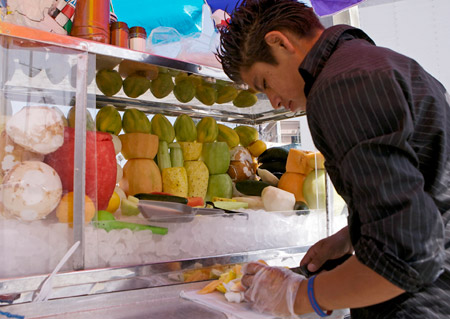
x=312, y=299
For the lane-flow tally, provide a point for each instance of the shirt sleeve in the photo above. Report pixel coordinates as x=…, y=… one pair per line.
x=363, y=124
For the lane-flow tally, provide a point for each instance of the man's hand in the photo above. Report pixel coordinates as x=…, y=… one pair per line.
x=331, y=247
x=271, y=289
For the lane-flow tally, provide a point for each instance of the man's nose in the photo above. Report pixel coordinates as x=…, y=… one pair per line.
x=274, y=99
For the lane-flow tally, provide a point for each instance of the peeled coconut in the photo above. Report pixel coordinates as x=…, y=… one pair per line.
x=31, y=190
x=39, y=129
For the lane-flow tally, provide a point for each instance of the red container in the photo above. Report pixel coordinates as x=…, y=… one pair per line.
x=91, y=20
x=119, y=34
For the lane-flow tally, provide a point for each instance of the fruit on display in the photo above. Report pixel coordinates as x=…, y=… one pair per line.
x=207, y=130
x=184, y=90
x=240, y=153
x=163, y=156
x=293, y=182
x=245, y=99
x=297, y=161
x=12, y=154
x=105, y=220
x=109, y=82
x=175, y=181
x=206, y=94
x=161, y=127
x=135, y=121
x=101, y=165
x=141, y=175
x=39, y=129
x=139, y=145
x=176, y=155
x=64, y=211
x=191, y=150
x=30, y=191
x=254, y=202
x=198, y=176
x=257, y=148
x=219, y=185
x=216, y=156
x=108, y=120
x=128, y=67
x=233, y=205
x=117, y=143
x=274, y=167
x=268, y=177
x=228, y=135
x=162, y=85
x=316, y=160
x=90, y=125
x=129, y=206
x=240, y=171
x=114, y=203
x=251, y=187
x=314, y=190
x=247, y=134
x=274, y=154
x=185, y=129
x=135, y=85
x=226, y=93
x=276, y=199
x=119, y=174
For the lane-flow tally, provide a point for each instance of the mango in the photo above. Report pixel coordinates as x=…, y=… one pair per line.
x=226, y=93
x=135, y=121
x=245, y=99
x=207, y=130
x=206, y=94
x=135, y=85
x=161, y=126
x=162, y=85
x=247, y=134
x=228, y=135
x=108, y=82
x=108, y=120
x=185, y=130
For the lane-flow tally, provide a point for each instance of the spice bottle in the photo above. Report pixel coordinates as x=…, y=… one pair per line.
x=91, y=20
x=119, y=34
x=137, y=38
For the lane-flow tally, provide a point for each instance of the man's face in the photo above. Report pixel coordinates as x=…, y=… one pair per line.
x=282, y=83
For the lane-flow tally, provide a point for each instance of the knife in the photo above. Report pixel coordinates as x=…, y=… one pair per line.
x=328, y=265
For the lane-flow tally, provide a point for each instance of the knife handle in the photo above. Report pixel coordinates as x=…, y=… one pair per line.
x=328, y=265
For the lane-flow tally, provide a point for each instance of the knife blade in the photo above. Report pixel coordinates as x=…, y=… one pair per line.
x=328, y=265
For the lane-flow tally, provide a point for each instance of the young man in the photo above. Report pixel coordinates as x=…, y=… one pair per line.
x=383, y=125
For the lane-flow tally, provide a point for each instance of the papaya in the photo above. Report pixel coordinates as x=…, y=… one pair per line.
x=109, y=82
x=216, y=156
x=293, y=183
x=161, y=127
x=135, y=121
x=185, y=130
x=247, y=134
x=108, y=120
x=198, y=175
x=162, y=85
x=128, y=67
x=191, y=150
x=135, y=85
x=90, y=126
x=206, y=94
x=180, y=77
x=184, y=90
x=139, y=145
x=219, y=185
x=207, y=130
x=140, y=175
x=226, y=93
x=228, y=135
x=245, y=99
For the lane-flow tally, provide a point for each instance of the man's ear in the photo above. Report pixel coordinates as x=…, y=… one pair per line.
x=278, y=40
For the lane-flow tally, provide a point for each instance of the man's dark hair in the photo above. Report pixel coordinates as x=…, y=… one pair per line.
x=242, y=42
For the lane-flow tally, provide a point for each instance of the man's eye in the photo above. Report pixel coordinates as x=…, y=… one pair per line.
x=264, y=84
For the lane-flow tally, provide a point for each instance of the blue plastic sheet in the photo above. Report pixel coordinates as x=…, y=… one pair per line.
x=328, y=7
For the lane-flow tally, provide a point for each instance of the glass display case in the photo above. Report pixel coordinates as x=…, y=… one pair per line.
x=55, y=166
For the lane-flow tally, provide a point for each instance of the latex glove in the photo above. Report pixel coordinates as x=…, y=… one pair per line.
x=331, y=247
x=271, y=289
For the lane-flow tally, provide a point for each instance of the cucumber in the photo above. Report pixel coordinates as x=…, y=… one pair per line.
x=274, y=166
x=176, y=155
x=273, y=154
x=163, y=155
x=162, y=198
x=250, y=187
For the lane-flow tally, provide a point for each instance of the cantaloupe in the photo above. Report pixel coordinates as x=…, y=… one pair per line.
x=141, y=175
x=139, y=145
x=293, y=183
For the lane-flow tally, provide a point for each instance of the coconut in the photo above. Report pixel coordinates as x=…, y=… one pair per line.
x=31, y=190
x=39, y=129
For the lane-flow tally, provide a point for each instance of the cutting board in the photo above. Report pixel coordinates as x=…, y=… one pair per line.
x=217, y=301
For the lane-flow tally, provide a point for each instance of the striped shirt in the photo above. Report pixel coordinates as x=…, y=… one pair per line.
x=383, y=125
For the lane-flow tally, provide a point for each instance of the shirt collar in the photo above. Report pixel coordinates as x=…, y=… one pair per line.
x=319, y=54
